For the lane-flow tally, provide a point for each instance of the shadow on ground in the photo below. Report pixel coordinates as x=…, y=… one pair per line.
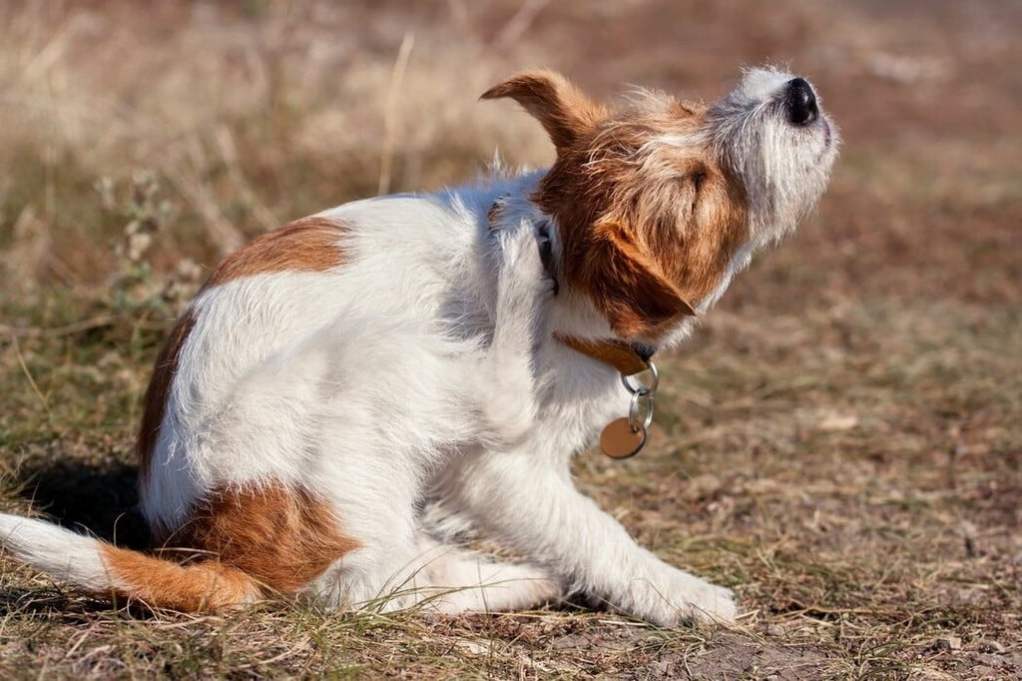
x=98, y=498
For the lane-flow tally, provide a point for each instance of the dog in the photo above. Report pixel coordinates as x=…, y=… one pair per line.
x=347, y=395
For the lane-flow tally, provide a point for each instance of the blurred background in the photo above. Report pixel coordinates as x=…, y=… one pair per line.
x=840, y=442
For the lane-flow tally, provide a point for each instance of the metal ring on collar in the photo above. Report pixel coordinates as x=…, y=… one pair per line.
x=646, y=421
x=642, y=388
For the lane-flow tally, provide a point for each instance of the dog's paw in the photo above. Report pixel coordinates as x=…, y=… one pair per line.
x=708, y=604
x=686, y=599
x=524, y=263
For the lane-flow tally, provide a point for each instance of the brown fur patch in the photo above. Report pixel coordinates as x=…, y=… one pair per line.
x=306, y=245
x=282, y=537
x=206, y=585
x=627, y=285
x=244, y=542
x=156, y=394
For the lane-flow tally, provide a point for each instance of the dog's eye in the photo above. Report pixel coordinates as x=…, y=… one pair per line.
x=698, y=178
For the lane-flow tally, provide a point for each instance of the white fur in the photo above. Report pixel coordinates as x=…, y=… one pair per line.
x=785, y=168
x=424, y=367
x=60, y=553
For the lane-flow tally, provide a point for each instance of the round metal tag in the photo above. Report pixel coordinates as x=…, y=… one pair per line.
x=620, y=441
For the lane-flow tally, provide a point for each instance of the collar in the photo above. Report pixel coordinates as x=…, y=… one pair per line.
x=627, y=358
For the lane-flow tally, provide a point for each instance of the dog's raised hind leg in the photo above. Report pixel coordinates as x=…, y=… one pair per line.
x=524, y=289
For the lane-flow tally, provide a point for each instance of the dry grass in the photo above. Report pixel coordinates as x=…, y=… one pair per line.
x=840, y=443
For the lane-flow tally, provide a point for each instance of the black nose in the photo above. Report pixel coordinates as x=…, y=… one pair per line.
x=800, y=102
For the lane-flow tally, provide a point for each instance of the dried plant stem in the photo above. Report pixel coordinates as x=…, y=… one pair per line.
x=392, y=114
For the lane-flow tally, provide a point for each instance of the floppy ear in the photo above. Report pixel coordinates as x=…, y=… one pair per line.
x=565, y=112
x=626, y=285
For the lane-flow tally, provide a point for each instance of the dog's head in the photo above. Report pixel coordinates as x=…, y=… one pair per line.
x=653, y=201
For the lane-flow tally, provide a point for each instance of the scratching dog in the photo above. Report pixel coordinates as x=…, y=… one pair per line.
x=349, y=393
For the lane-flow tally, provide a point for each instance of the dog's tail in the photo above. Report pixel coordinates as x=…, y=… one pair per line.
x=101, y=568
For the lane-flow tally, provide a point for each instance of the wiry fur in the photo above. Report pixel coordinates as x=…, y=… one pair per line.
x=320, y=393
x=781, y=166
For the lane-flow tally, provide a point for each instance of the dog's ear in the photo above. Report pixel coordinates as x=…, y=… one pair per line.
x=565, y=112
x=626, y=285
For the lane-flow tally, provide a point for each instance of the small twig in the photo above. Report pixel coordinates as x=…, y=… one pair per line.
x=31, y=381
x=95, y=651
x=81, y=639
x=391, y=115
x=517, y=25
x=191, y=621
x=74, y=327
x=229, y=155
x=625, y=623
x=225, y=236
x=260, y=663
x=65, y=330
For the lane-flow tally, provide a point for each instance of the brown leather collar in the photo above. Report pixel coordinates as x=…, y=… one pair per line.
x=627, y=358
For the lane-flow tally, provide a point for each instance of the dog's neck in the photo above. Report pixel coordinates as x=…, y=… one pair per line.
x=509, y=201
x=510, y=206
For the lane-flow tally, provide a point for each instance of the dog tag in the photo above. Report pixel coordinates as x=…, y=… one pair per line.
x=620, y=441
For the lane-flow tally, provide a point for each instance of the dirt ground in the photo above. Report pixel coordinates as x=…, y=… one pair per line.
x=840, y=442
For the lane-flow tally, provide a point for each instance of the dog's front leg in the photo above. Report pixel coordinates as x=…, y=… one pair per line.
x=531, y=503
